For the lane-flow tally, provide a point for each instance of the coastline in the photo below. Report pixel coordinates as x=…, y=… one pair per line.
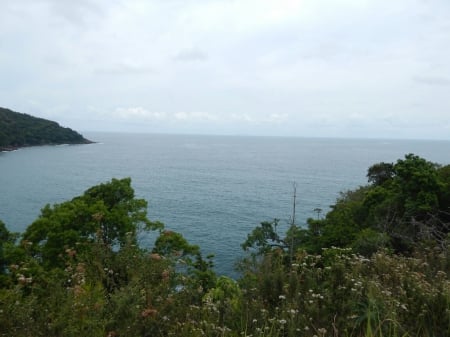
x=10, y=148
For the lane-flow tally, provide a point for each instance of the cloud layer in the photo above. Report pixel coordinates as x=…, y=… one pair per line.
x=348, y=68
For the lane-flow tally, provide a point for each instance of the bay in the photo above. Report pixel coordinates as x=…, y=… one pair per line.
x=212, y=189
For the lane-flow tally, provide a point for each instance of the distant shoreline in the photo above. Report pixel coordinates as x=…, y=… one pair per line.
x=11, y=148
x=8, y=148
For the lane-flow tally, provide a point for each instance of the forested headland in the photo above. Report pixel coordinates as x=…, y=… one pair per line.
x=377, y=264
x=20, y=130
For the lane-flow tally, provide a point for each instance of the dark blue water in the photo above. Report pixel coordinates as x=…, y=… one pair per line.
x=212, y=189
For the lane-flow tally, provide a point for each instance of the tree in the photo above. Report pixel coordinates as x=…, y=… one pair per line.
x=379, y=173
x=418, y=184
x=343, y=222
x=173, y=244
x=10, y=253
x=108, y=213
x=444, y=197
x=5, y=237
x=406, y=203
x=264, y=238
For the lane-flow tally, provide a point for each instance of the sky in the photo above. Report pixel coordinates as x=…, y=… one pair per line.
x=307, y=68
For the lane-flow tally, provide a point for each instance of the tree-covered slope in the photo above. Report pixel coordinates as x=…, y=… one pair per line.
x=18, y=130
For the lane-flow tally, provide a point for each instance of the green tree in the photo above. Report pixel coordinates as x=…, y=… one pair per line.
x=264, y=238
x=108, y=213
x=346, y=218
x=379, y=173
x=187, y=257
x=10, y=253
x=404, y=204
x=417, y=182
x=6, y=239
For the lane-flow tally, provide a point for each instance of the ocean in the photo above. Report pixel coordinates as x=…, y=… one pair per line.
x=212, y=189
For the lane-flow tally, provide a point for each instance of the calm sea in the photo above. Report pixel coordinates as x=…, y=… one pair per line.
x=212, y=189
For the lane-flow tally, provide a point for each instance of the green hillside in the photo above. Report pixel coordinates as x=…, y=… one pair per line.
x=19, y=130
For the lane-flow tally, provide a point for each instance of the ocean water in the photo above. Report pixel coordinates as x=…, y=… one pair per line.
x=212, y=189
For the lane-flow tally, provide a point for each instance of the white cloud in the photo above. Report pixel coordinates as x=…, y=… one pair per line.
x=243, y=117
x=276, y=118
x=124, y=68
x=192, y=54
x=194, y=116
x=139, y=113
x=226, y=65
x=432, y=80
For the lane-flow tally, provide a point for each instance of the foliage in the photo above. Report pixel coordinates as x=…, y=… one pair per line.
x=17, y=130
x=379, y=173
x=4, y=239
x=339, y=293
x=6, y=245
x=107, y=213
x=265, y=237
x=78, y=270
x=406, y=204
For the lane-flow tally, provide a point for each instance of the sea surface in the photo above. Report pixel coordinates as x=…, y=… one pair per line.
x=212, y=189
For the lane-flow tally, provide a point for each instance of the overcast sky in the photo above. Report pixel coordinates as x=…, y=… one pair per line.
x=327, y=68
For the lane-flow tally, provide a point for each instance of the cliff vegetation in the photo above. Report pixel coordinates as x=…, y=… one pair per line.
x=20, y=130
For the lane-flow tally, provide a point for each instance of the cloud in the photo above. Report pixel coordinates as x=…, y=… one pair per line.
x=194, y=116
x=193, y=54
x=79, y=12
x=125, y=68
x=226, y=65
x=139, y=113
x=136, y=114
x=432, y=80
x=242, y=117
x=273, y=118
x=276, y=118
x=143, y=114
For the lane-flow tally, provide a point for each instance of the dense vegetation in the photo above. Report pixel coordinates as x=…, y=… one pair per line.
x=405, y=205
x=376, y=265
x=18, y=130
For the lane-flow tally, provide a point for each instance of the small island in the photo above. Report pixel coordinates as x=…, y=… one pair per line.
x=22, y=130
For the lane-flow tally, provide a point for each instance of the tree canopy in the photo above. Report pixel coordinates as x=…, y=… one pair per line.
x=107, y=213
x=405, y=203
x=18, y=130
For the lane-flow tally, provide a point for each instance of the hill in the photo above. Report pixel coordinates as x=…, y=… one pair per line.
x=20, y=130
